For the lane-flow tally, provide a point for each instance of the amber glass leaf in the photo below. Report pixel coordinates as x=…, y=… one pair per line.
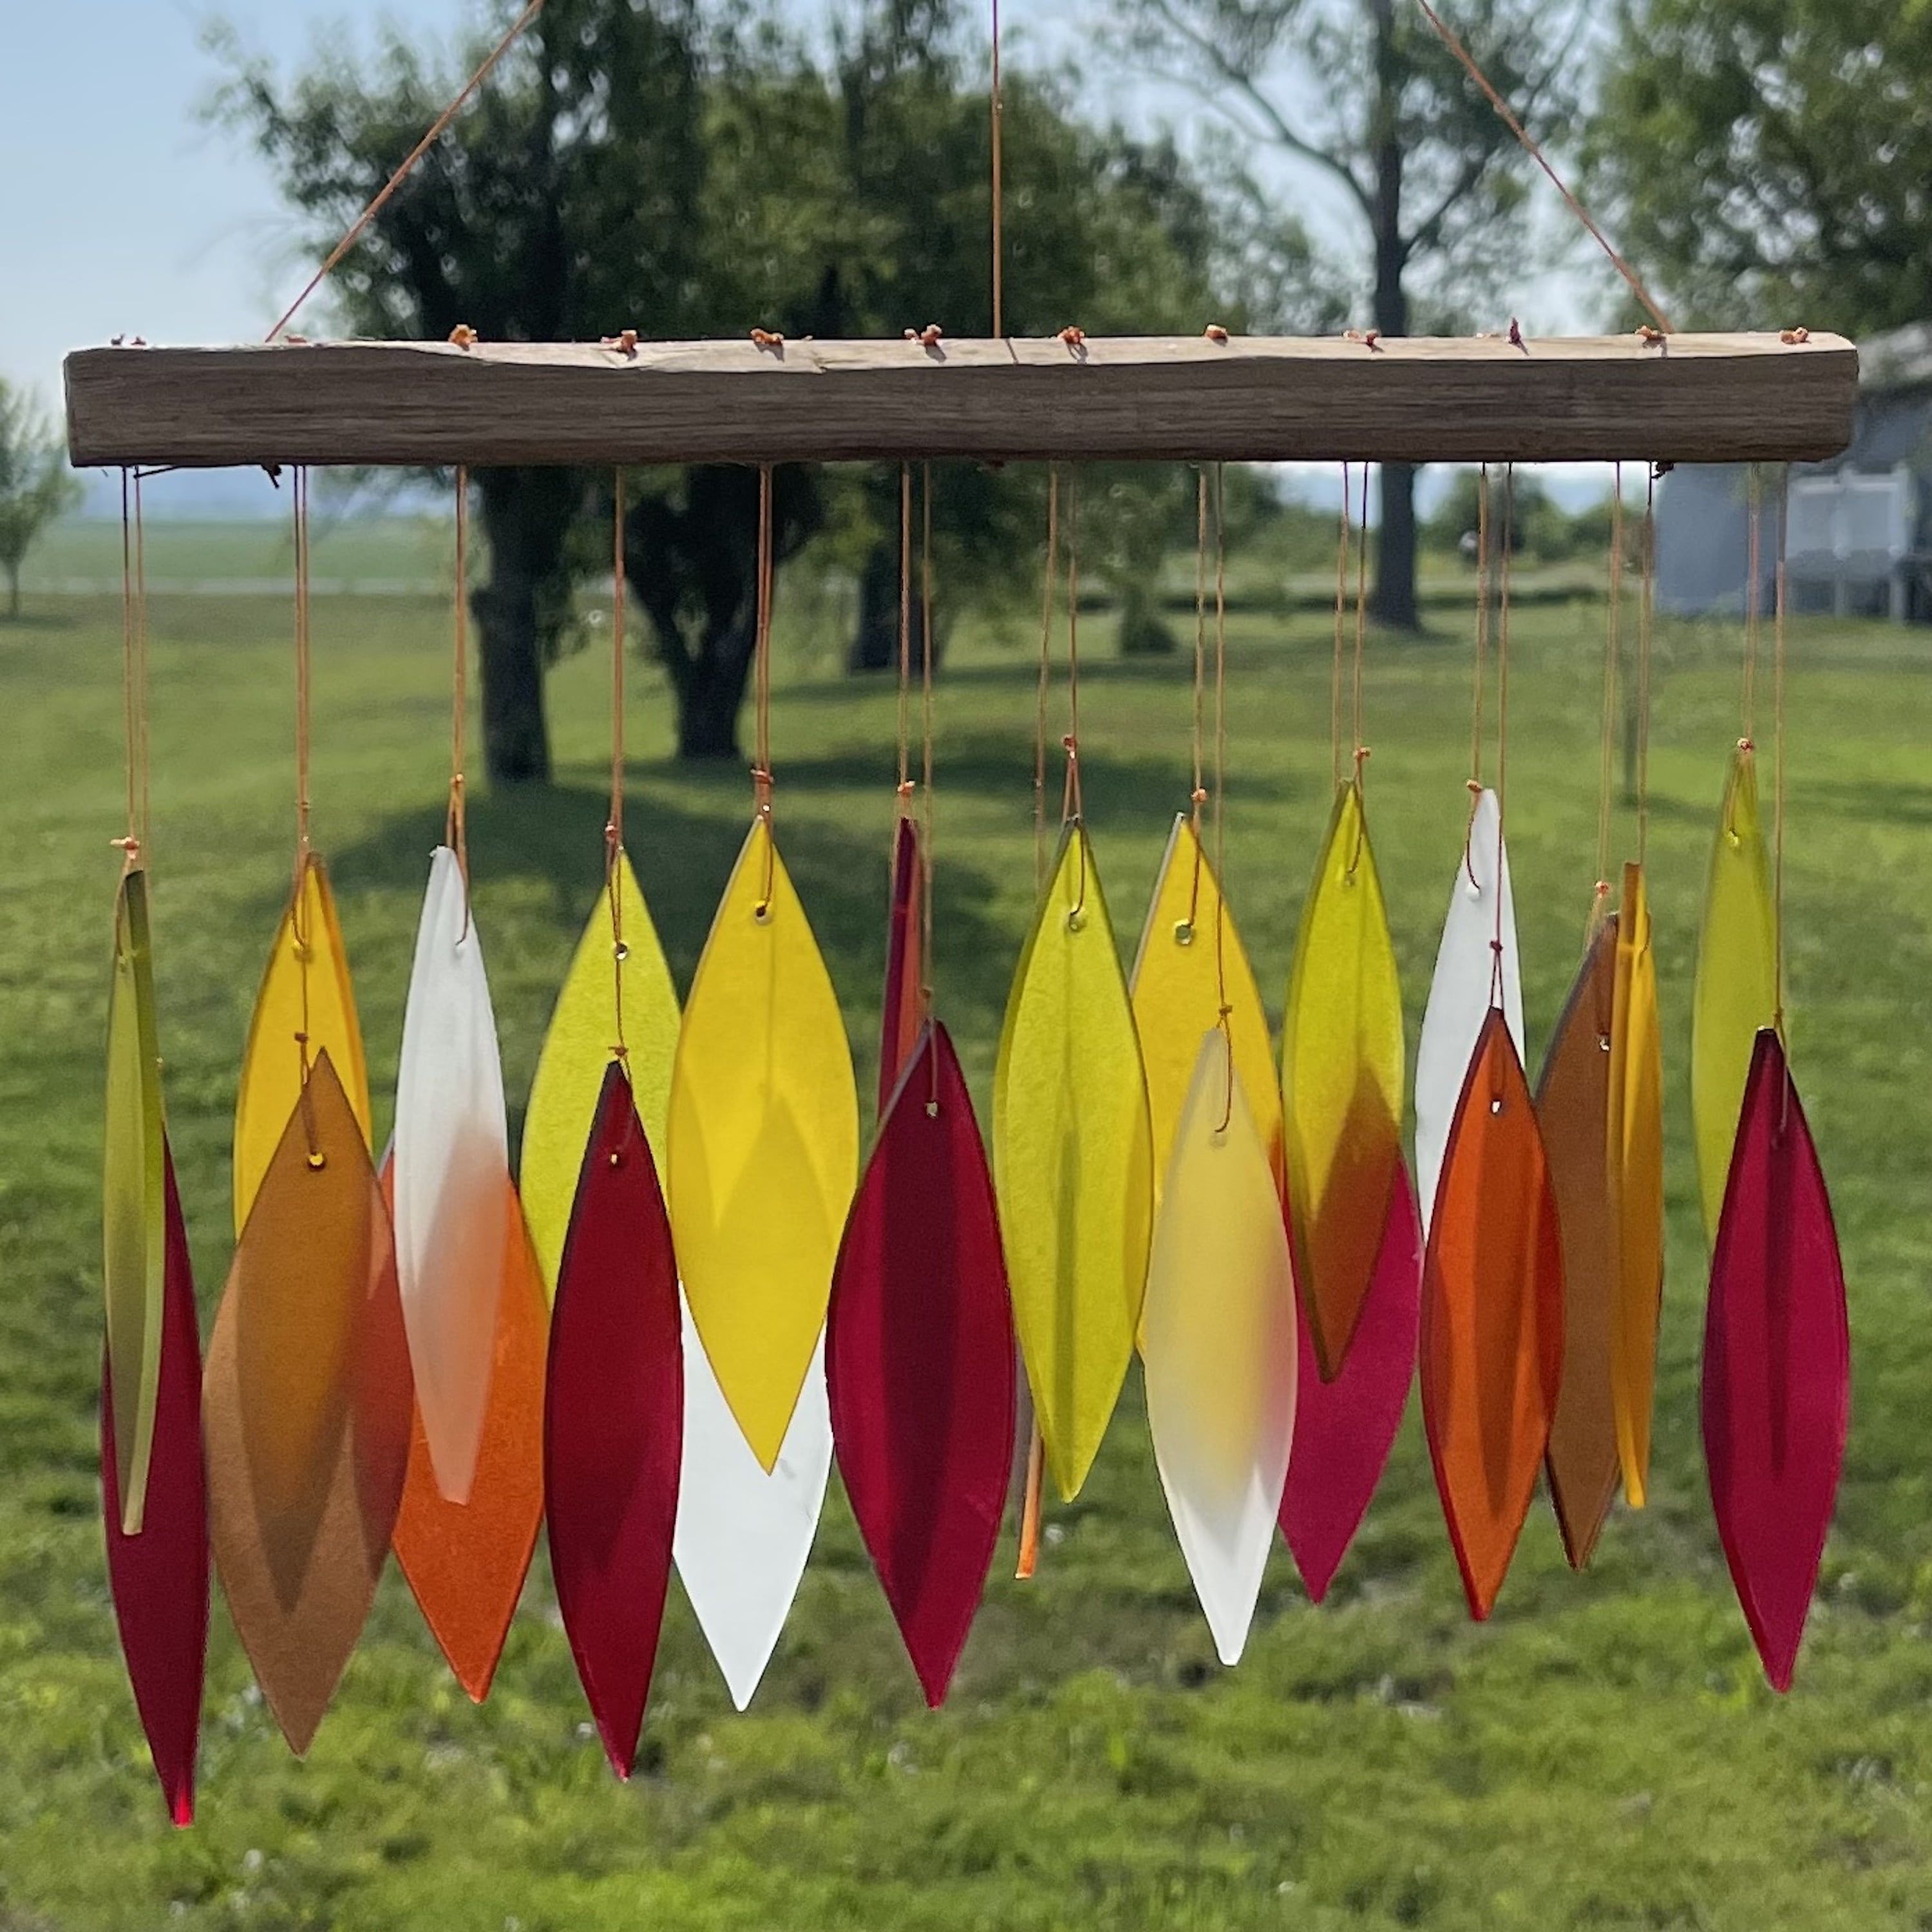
x=1468, y=970
x=763, y=1145
x=1341, y=1058
x=305, y=987
x=1635, y=1132
x=306, y=1405
x=613, y=1419
x=578, y=1048
x=1072, y=1154
x=1573, y=1099
x=466, y=1561
x=1736, y=990
x=1344, y=1429
x=133, y=1212
x=159, y=1579
x=1777, y=1388
x=1219, y=1346
x=903, y=1003
x=1492, y=1343
x=919, y=1361
x=1177, y=983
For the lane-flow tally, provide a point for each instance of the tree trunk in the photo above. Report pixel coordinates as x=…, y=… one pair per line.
x=516, y=742
x=13, y=592
x=875, y=641
x=709, y=685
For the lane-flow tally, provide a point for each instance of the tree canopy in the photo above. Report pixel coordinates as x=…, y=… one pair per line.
x=36, y=485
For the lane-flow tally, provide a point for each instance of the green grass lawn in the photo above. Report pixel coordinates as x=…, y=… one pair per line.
x=1604, y=1753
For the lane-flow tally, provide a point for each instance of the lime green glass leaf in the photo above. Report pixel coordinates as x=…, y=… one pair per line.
x=133, y=1199
x=1073, y=1158
x=763, y=1143
x=305, y=990
x=576, y=1050
x=1177, y=985
x=1736, y=991
x=1341, y=1062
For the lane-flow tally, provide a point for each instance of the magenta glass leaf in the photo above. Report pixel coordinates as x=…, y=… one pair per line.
x=613, y=1421
x=899, y=1012
x=919, y=1361
x=1776, y=1394
x=1344, y=1429
x=159, y=1579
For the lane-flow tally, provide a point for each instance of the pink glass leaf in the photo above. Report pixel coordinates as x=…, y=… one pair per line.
x=1344, y=1429
x=613, y=1419
x=905, y=962
x=1776, y=1393
x=920, y=1361
x=159, y=1578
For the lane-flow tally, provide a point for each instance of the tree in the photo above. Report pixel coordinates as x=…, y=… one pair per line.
x=1769, y=158
x=36, y=485
x=1361, y=97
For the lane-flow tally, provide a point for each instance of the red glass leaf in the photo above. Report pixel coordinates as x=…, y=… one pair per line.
x=1776, y=1394
x=905, y=962
x=919, y=1361
x=613, y=1421
x=1492, y=1341
x=159, y=1579
x=1344, y=1429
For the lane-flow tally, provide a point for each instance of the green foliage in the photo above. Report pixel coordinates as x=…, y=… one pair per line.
x=1603, y=1755
x=1767, y=159
x=36, y=485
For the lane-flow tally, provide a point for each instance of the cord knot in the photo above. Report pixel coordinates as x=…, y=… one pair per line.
x=930, y=336
x=1074, y=338
x=1199, y=795
x=1791, y=338
x=128, y=843
x=1602, y=888
x=767, y=338
x=1474, y=787
x=463, y=337
x=907, y=788
x=1747, y=745
x=624, y=342
x=1215, y=332
x=1649, y=335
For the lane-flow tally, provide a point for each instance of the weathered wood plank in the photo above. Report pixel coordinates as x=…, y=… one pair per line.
x=1689, y=399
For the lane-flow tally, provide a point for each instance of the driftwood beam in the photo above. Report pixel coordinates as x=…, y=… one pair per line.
x=1685, y=399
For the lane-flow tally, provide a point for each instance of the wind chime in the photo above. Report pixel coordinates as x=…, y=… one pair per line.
x=695, y=1293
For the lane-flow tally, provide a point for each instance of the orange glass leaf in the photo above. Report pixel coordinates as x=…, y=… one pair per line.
x=159, y=1579
x=905, y=962
x=1776, y=1388
x=305, y=988
x=466, y=1561
x=1492, y=1345
x=306, y=1407
x=1636, y=1131
x=1572, y=1100
x=1342, y=1057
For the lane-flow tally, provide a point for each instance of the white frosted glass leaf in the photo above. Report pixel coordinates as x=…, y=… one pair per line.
x=1219, y=1348
x=742, y=1536
x=1459, y=995
x=452, y=1158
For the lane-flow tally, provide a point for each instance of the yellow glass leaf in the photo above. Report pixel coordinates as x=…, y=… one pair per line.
x=576, y=1050
x=1635, y=1145
x=1073, y=1160
x=1177, y=985
x=1342, y=1062
x=133, y=1216
x=305, y=988
x=1736, y=991
x=763, y=1143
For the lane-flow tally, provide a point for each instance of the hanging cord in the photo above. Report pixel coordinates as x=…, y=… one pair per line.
x=298, y=907
x=926, y=770
x=1612, y=658
x=1502, y=727
x=1043, y=684
x=905, y=787
x=1485, y=561
x=133, y=844
x=761, y=672
x=1226, y=1008
x=1779, y=610
x=354, y=232
x=1341, y=618
x=998, y=109
x=1753, y=602
x=1463, y=55
x=455, y=830
x=1073, y=808
x=1646, y=624
x=1198, y=796
x=1361, y=638
x=613, y=825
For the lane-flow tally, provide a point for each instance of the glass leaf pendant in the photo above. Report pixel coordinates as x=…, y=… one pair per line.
x=920, y=1361
x=1072, y=1154
x=134, y=1218
x=584, y=1028
x=1491, y=1341
x=1777, y=1380
x=1341, y=1058
x=1219, y=1345
x=763, y=1143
